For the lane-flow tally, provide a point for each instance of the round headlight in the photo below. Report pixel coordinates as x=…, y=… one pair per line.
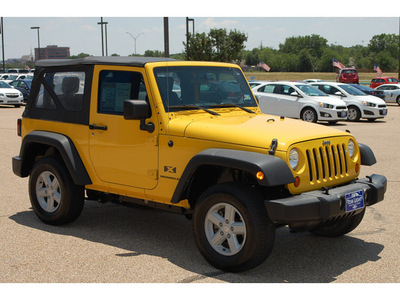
x=351, y=147
x=293, y=158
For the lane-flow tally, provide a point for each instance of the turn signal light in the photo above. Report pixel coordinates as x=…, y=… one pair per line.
x=260, y=175
x=357, y=168
x=297, y=181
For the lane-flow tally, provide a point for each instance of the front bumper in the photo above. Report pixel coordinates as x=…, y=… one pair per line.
x=332, y=114
x=374, y=112
x=311, y=208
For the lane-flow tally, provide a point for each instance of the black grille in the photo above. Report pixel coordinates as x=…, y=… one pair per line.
x=327, y=162
x=12, y=95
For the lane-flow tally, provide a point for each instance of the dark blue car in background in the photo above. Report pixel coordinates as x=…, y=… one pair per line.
x=24, y=86
x=369, y=91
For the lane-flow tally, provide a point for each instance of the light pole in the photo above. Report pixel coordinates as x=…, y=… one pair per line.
x=2, y=42
x=38, y=40
x=188, y=35
x=102, y=39
x=134, y=39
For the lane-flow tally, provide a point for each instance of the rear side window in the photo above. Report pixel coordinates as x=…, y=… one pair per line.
x=61, y=94
x=66, y=87
x=267, y=89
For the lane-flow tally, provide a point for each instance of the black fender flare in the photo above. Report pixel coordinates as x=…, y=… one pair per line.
x=367, y=155
x=22, y=166
x=276, y=171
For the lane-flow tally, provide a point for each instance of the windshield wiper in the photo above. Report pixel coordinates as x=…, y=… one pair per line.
x=192, y=106
x=233, y=105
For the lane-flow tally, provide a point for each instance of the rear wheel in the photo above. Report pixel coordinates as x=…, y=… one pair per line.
x=340, y=227
x=54, y=197
x=232, y=229
x=398, y=100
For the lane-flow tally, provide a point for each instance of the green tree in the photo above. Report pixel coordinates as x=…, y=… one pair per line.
x=80, y=55
x=313, y=44
x=217, y=45
x=385, y=42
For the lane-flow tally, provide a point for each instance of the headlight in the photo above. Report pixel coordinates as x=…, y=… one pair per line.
x=293, y=158
x=325, y=105
x=351, y=147
x=366, y=103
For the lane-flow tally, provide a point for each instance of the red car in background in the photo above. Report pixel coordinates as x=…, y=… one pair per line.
x=377, y=81
x=348, y=75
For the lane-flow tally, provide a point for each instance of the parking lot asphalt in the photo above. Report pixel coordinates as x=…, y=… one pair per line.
x=116, y=244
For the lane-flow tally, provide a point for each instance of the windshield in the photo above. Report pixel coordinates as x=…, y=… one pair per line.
x=187, y=87
x=4, y=85
x=351, y=90
x=310, y=90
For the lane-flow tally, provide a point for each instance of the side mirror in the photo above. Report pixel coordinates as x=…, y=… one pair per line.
x=295, y=94
x=339, y=94
x=136, y=110
x=139, y=110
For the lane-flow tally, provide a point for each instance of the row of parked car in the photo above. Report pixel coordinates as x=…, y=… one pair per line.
x=315, y=100
x=15, y=88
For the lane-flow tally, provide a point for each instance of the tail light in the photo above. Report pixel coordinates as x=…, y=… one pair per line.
x=19, y=124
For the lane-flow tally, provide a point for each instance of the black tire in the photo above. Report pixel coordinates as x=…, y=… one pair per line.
x=354, y=114
x=247, y=227
x=55, y=198
x=398, y=100
x=309, y=114
x=340, y=227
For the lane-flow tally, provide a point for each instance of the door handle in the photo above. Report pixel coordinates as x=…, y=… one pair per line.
x=98, y=127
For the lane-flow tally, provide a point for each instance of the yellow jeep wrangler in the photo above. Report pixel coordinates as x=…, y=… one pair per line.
x=187, y=137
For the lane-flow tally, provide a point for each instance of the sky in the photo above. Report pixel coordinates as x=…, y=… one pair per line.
x=264, y=23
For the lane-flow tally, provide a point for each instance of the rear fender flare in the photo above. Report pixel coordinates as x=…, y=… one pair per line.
x=65, y=147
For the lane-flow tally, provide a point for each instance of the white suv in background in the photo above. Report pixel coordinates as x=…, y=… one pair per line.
x=299, y=100
x=359, y=104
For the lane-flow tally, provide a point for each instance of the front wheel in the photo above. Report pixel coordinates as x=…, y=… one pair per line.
x=232, y=229
x=54, y=197
x=309, y=115
x=398, y=100
x=354, y=114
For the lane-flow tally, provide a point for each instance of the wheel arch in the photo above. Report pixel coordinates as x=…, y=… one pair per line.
x=212, y=164
x=38, y=143
x=309, y=106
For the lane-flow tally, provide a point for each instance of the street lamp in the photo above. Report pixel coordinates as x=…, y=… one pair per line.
x=134, y=39
x=38, y=40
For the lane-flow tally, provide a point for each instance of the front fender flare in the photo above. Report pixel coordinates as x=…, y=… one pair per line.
x=276, y=171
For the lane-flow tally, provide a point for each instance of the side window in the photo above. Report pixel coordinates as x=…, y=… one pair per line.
x=267, y=89
x=22, y=84
x=66, y=87
x=117, y=86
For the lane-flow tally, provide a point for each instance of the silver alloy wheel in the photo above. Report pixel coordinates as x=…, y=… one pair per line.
x=308, y=115
x=352, y=114
x=225, y=229
x=48, y=191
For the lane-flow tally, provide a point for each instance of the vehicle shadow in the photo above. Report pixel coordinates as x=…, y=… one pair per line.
x=299, y=257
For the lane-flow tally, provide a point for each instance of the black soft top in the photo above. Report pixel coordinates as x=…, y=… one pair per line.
x=137, y=61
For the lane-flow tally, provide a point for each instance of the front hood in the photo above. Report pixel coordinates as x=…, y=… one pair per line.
x=329, y=100
x=373, y=99
x=250, y=130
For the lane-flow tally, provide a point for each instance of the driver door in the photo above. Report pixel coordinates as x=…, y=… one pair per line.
x=121, y=153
